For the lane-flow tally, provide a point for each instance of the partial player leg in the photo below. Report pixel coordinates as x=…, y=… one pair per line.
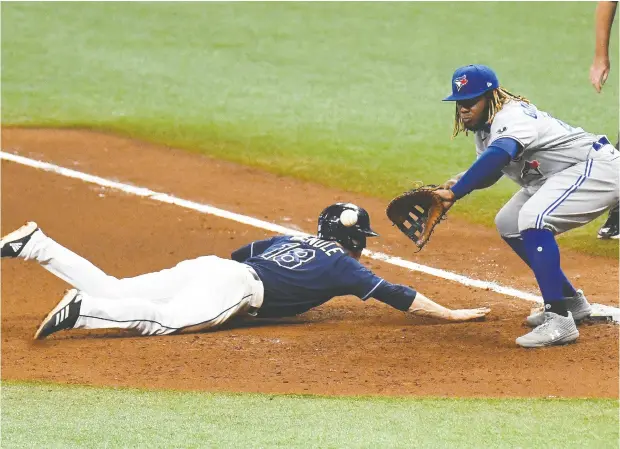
x=507, y=222
x=91, y=280
x=224, y=289
x=574, y=197
x=567, y=200
x=558, y=325
x=611, y=227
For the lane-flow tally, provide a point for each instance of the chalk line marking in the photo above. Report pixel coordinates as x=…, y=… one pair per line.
x=204, y=208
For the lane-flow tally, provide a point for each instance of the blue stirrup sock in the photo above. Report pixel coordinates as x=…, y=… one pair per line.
x=516, y=243
x=543, y=254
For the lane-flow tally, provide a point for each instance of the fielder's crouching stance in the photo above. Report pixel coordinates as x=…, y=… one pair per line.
x=278, y=277
x=568, y=177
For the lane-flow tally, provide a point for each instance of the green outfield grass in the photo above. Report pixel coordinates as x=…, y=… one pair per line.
x=345, y=94
x=97, y=418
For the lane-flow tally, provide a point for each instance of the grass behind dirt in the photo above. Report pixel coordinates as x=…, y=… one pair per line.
x=344, y=94
x=128, y=418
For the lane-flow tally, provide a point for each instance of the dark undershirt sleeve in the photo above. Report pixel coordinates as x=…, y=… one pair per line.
x=363, y=283
x=398, y=296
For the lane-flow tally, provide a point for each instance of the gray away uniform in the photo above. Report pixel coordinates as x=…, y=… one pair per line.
x=568, y=177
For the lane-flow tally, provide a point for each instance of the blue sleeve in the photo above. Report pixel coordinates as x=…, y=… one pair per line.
x=364, y=284
x=253, y=249
x=488, y=167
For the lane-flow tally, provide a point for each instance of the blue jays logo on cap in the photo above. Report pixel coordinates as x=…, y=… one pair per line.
x=472, y=81
x=460, y=82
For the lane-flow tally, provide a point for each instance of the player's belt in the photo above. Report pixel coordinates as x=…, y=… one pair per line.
x=253, y=310
x=600, y=143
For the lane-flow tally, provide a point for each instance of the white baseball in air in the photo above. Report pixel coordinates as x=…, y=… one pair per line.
x=348, y=217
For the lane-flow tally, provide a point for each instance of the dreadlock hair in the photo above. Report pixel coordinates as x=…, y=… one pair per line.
x=497, y=99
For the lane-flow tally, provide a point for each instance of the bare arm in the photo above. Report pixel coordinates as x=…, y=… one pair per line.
x=599, y=71
x=423, y=306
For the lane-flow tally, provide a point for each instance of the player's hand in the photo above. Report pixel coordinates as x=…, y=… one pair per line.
x=599, y=73
x=468, y=314
x=426, y=307
x=447, y=196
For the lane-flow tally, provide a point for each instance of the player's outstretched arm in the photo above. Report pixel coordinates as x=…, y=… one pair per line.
x=422, y=306
x=365, y=284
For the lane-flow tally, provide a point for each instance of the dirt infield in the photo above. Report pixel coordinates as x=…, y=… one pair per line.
x=343, y=347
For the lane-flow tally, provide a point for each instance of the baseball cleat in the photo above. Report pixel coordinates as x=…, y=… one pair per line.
x=578, y=305
x=12, y=244
x=63, y=316
x=611, y=228
x=555, y=330
x=607, y=232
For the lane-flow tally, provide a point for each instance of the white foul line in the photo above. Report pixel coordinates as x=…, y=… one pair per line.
x=204, y=208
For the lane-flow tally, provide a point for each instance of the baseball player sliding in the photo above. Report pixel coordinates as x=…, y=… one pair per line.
x=568, y=177
x=277, y=277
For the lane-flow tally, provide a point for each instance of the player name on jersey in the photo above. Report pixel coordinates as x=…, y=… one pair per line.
x=328, y=247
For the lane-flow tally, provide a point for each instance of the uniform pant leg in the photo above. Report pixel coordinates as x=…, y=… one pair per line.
x=220, y=290
x=573, y=197
x=87, y=277
x=507, y=219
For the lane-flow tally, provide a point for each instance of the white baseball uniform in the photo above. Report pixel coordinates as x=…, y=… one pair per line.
x=194, y=295
x=568, y=176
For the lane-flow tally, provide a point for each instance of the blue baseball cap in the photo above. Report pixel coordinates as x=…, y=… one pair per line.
x=472, y=81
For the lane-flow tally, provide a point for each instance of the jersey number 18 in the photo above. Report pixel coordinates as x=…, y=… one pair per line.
x=289, y=255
